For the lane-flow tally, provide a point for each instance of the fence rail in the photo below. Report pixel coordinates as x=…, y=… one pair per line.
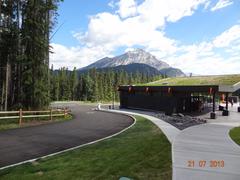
x=20, y=115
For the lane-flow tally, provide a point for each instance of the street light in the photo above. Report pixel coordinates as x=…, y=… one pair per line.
x=113, y=98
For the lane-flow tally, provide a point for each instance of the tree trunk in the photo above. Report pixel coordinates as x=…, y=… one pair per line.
x=7, y=87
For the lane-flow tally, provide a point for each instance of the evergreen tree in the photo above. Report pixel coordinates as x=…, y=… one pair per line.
x=24, y=42
x=93, y=85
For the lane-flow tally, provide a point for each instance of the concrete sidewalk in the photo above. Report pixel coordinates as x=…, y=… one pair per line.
x=209, y=142
x=206, y=145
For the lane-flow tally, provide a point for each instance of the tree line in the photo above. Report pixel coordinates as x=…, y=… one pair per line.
x=93, y=85
x=25, y=78
x=25, y=27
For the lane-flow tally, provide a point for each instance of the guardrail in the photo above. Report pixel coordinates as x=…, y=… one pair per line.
x=33, y=114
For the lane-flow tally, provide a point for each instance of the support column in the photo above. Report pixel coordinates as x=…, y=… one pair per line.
x=214, y=96
x=213, y=114
x=227, y=101
x=225, y=111
x=238, y=108
x=239, y=105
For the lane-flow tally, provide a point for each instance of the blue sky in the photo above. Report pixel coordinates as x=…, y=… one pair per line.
x=187, y=34
x=75, y=17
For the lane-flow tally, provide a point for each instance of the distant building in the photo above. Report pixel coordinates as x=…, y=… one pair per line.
x=169, y=96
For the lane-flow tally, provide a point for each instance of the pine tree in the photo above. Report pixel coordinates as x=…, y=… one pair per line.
x=95, y=78
x=24, y=42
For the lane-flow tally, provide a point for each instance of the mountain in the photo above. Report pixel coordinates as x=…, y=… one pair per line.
x=137, y=56
x=171, y=72
x=130, y=68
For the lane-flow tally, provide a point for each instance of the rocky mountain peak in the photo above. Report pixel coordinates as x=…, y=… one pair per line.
x=136, y=56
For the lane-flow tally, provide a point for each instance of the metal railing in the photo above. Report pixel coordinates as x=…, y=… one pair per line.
x=20, y=115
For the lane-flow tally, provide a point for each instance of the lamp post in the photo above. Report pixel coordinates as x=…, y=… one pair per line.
x=113, y=98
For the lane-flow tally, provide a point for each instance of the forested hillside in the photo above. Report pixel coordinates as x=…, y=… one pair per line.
x=92, y=85
x=25, y=27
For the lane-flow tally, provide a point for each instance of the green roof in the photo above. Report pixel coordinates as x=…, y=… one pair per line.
x=197, y=80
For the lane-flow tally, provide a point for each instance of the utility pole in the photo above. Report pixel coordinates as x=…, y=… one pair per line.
x=6, y=90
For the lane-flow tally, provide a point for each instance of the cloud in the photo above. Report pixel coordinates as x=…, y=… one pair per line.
x=210, y=65
x=228, y=37
x=143, y=25
x=111, y=4
x=63, y=56
x=221, y=4
x=134, y=24
x=159, y=12
x=221, y=55
x=110, y=31
x=127, y=8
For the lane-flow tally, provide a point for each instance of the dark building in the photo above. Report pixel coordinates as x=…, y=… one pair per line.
x=171, y=99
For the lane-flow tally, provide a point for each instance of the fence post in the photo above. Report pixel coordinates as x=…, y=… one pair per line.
x=20, y=117
x=51, y=114
x=65, y=113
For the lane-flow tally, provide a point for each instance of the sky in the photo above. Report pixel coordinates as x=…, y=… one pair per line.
x=197, y=36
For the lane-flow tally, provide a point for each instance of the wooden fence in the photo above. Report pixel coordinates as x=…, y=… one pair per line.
x=20, y=115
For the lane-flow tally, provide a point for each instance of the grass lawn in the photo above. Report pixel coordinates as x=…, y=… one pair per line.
x=13, y=123
x=235, y=134
x=198, y=80
x=141, y=152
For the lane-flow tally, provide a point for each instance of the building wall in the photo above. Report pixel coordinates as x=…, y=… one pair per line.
x=157, y=101
x=168, y=99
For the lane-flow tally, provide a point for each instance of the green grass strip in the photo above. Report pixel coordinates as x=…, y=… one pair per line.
x=235, y=134
x=6, y=124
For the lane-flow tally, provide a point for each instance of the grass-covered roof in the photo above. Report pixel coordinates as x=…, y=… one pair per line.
x=197, y=80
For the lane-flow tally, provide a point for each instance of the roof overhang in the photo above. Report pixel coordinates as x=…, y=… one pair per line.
x=228, y=88
x=187, y=89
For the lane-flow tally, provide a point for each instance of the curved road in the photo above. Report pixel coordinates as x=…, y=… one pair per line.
x=23, y=144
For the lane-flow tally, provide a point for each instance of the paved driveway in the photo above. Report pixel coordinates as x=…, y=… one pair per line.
x=18, y=145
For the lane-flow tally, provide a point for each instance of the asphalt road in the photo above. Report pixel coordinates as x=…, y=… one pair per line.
x=23, y=144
